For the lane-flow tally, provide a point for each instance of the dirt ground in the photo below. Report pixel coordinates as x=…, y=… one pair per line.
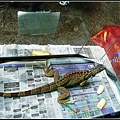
x=78, y=21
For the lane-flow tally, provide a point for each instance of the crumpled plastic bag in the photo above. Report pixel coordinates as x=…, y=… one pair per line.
x=109, y=39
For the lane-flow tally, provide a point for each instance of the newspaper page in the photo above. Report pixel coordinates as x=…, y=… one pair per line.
x=20, y=76
x=2, y=50
x=86, y=98
x=26, y=50
x=60, y=49
x=95, y=53
x=20, y=50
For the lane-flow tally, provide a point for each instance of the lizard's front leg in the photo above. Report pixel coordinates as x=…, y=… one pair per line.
x=65, y=94
x=50, y=73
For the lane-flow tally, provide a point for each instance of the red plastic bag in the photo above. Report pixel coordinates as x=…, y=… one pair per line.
x=109, y=39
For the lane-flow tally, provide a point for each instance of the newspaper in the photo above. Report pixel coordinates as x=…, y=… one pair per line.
x=20, y=76
x=26, y=50
x=95, y=53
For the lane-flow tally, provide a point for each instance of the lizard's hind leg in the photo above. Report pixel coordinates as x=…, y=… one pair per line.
x=61, y=99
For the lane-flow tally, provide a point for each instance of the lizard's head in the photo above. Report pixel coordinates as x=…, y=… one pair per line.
x=100, y=67
x=97, y=69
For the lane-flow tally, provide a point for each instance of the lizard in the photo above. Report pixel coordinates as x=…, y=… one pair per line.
x=69, y=79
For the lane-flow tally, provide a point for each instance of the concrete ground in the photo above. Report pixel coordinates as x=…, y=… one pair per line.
x=78, y=21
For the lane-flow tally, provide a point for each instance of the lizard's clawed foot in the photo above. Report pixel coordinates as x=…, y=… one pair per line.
x=48, y=71
x=65, y=103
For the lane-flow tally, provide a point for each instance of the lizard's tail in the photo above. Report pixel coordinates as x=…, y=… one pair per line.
x=43, y=89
